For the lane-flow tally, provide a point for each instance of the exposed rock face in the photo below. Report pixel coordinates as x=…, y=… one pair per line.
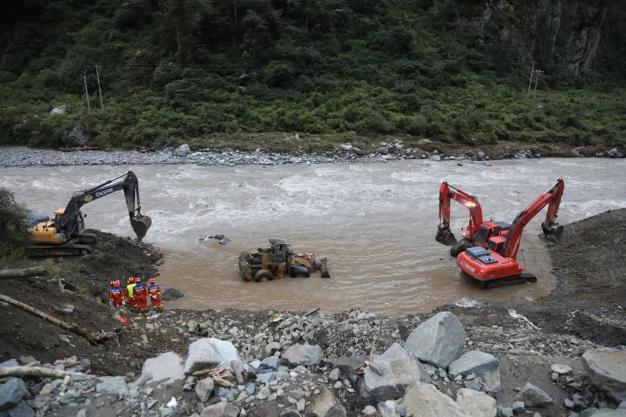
x=438, y=341
x=390, y=373
x=607, y=369
x=586, y=32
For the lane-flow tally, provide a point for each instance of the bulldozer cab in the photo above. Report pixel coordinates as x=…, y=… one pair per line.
x=279, y=252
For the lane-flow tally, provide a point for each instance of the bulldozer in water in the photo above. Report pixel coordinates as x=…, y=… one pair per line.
x=267, y=264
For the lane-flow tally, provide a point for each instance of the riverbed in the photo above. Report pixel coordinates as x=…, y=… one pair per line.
x=374, y=221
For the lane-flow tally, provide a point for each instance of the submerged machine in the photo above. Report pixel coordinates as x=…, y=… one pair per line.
x=488, y=250
x=267, y=264
x=64, y=234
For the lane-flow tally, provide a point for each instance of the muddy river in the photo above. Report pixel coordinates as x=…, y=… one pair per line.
x=375, y=223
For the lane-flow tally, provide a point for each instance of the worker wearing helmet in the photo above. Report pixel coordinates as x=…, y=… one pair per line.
x=154, y=292
x=130, y=292
x=116, y=296
x=141, y=295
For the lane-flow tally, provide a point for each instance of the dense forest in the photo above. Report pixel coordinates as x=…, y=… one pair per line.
x=451, y=70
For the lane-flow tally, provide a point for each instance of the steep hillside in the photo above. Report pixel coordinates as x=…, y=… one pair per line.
x=171, y=70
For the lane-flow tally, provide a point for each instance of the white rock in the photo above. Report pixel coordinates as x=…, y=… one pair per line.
x=561, y=369
x=438, y=341
x=476, y=404
x=59, y=109
x=182, y=150
x=210, y=352
x=166, y=368
x=369, y=410
x=424, y=400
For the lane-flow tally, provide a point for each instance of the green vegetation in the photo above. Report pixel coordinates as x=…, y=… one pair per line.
x=13, y=224
x=198, y=70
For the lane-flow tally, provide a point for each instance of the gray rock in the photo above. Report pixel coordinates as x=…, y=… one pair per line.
x=172, y=294
x=210, y=352
x=481, y=364
x=271, y=362
x=251, y=388
x=11, y=393
x=607, y=369
x=387, y=409
x=290, y=413
x=435, y=157
x=306, y=355
x=59, y=109
x=533, y=396
x=588, y=412
x=438, y=341
x=424, y=400
x=518, y=407
x=20, y=410
x=221, y=409
x=369, y=410
x=346, y=146
x=476, y=404
x=326, y=405
x=204, y=389
x=561, y=369
x=388, y=375
x=166, y=368
x=227, y=393
x=506, y=411
x=607, y=412
x=10, y=363
x=480, y=155
x=112, y=385
x=76, y=137
x=182, y=150
x=577, y=152
x=266, y=377
x=615, y=153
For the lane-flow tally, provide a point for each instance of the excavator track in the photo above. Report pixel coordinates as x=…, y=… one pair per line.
x=47, y=251
x=519, y=279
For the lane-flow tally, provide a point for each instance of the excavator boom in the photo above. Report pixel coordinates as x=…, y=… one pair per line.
x=446, y=194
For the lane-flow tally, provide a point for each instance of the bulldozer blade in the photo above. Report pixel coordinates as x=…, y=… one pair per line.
x=445, y=236
x=140, y=225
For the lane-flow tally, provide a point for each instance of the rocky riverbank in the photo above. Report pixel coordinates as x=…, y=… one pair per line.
x=562, y=355
x=385, y=151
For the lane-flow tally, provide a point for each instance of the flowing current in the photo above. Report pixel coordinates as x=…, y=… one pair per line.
x=375, y=222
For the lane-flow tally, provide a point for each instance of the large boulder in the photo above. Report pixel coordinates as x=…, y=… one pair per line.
x=210, y=352
x=388, y=375
x=326, y=405
x=11, y=393
x=76, y=137
x=607, y=369
x=166, y=368
x=182, y=150
x=482, y=364
x=438, y=341
x=533, y=396
x=20, y=410
x=475, y=403
x=424, y=400
x=306, y=355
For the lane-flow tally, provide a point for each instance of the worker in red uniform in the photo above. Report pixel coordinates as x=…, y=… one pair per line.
x=116, y=296
x=154, y=292
x=129, y=292
x=141, y=295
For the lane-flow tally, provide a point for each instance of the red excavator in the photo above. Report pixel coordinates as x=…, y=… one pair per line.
x=477, y=232
x=496, y=263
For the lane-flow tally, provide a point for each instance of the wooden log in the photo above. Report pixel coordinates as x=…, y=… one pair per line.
x=36, y=372
x=22, y=272
x=93, y=338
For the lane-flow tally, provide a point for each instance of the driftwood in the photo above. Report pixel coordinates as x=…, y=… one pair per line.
x=94, y=338
x=217, y=375
x=22, y=273
x=36, y=371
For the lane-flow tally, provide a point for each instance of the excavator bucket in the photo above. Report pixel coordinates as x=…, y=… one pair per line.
x=552, y=234
x=140, y=225
x=445, y=236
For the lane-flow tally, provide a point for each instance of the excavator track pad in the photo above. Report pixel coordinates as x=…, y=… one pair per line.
x=519, y=279
x=140, y=225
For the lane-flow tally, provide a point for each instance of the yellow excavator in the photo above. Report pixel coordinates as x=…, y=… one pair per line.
x=64, y=234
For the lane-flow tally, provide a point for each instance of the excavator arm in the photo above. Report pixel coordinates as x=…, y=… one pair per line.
x=127, y=183
x=446, y=194
x=551, y=198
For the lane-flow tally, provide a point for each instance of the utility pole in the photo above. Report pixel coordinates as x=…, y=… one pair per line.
x=537, y=78
x=530, y=82
x=86, y=92
x=99, y=89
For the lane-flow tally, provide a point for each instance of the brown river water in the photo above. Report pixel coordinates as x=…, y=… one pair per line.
x=375, y=222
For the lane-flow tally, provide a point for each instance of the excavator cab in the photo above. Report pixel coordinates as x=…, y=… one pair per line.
x=488, y=231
